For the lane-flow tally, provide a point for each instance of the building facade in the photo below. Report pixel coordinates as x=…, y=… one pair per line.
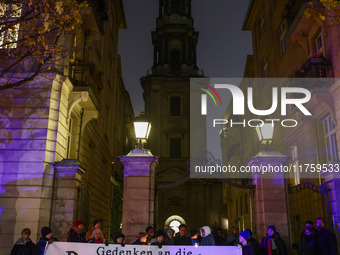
x=289, y=44
x=167, y=106
x=63, y=132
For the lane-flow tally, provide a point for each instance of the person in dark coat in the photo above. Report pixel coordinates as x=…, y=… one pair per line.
x=119, y=238
x=207, y=236
x=254, y=243
x=169, y=238
x=151, y=234
x=141, y=239
x=219, y=239
x=76, y=233
x=326, y=239
x=232, y=239
x=272, y=244
x=247, y=247
x=24, y=245
x=160, y=237
x=181, y=238
x=46, y=237
x=308, y=224
x=309, y=243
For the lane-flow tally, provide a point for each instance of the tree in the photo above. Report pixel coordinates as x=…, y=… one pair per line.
x=324, y=9
x=30, y=37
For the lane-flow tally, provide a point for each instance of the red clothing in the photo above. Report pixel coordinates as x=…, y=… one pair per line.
x=99, y=240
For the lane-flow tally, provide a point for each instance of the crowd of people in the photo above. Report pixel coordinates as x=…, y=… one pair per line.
x=314, y=241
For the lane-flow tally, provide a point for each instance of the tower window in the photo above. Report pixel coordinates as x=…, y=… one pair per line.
x=175, y=147
x=175, y=106
x=175, y=6
x=175, y=61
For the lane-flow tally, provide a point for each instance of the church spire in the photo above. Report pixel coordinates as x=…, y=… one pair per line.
x=175, y=39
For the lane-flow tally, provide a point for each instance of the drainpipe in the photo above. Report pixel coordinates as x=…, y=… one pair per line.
x=52, y=196
x=316, y=144
x=80, y=127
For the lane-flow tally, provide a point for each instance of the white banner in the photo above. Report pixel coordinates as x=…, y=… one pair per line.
x=62, y=248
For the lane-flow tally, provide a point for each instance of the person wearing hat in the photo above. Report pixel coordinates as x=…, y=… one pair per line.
x=207, y=236
x=160, y=236
x=247, y=247
x=46, y=237
x=119, y=238
x=96, y=224
x=272, y=243
x=169, y=237
x=76, y=233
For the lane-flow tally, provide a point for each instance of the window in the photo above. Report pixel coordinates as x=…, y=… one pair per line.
x=175, y=106
x=10, y=12
x=295, y=163
x=283, y=38
x=175, y=147
x=319, y=43
x=262, y=23
x=175, y=6
x=330, y=139
x=175, y=61
x=265, y=67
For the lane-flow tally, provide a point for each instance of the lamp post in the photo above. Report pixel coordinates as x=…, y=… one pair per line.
x=265, y=134
x=142, y=130
x=270, y=194
x=139, y=183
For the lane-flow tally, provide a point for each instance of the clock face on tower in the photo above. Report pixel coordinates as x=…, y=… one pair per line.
x=175, y=19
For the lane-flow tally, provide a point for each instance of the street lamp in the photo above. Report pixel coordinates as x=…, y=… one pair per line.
x=142, y=130
x=265, y=134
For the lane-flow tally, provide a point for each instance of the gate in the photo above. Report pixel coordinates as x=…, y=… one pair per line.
x=307, y=201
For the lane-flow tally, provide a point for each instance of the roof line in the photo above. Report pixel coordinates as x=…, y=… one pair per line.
x=247, y=15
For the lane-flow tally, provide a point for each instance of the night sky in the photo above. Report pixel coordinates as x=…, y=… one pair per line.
x=222, y=45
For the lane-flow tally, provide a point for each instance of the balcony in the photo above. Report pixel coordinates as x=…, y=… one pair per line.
x=316, y=67
x=85, y=78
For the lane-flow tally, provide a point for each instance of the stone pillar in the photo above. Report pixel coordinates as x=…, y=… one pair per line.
x=67, y=179
x=332, y=178
x=270, y=195
x=138, y=194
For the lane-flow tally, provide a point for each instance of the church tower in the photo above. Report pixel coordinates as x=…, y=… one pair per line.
x=178, y=199
x=175, y=39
